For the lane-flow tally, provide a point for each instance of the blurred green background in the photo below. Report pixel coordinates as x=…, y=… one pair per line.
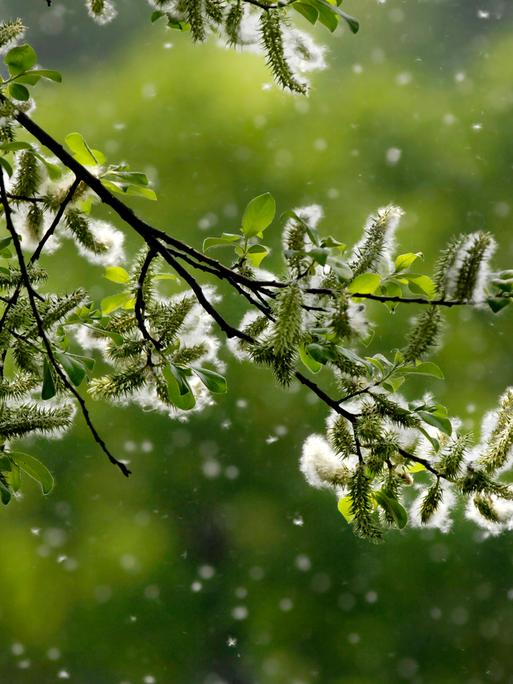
x=216, y=563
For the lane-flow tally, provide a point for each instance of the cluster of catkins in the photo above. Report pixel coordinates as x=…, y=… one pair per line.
x=383, y=456
x=290, y=53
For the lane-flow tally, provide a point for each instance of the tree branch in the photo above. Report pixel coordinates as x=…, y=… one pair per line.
x=42, y=333
x=140, y=303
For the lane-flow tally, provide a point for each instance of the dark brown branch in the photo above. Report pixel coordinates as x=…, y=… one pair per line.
x=140, y=303
x=264, y=6
x=228, y=330
x=21, y=198
x=411, y=300
x=259, y=304
x=56, y=220
x=417, y=459
x=325, y=398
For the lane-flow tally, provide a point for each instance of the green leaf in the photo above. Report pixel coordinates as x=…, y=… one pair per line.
x=13, y=477
x=391, y=289
x=309, y=12
x=15, y=146
x=127, y=177
x=326, y=15
x=28, y=78
x=20, y=58
x=333, y=243
x=256, y=254
x=421, y=284
x=82, y=152
x=5, y=493
x=49, y=74
x=308, y=360
x=10, y=367
x=6, y=166
x=365, y=283
x=416, y=468
x=141, y=191
x=393, y=508
x=128, y=189
x=258, y=215
x=113, y=302
x=178, y=389
x=345, y=506
x=117, y=274
x=424, y=368
x=86, y=361
x=129, y=304
x=35, y=469
x=19, y=92
x=352, y=22
x=73, y=367
x=178, y=25
x=437, y=420
x=320, y=353
x=496, y=304
x=166, y=276
x=404, y=261
x=214, y=382
x=224, y=240
x=353, y=357
x=48, y=389
x=394, y=382
x=435, y=443
x=54, y=171
x=320, y=255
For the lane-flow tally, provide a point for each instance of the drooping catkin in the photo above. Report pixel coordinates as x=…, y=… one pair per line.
x=272, y=40
x=233, y=22
x=194, y=14
x=467, y=277
x=28, y=176
x=364, y=524
x=500, y=442
x=78, y=225
x=424, y=335
x=431, y=501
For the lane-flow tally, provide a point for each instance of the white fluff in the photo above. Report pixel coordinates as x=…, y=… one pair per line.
x=113, y=239
x=108, y=14
x=319, y=463
x=441, y=519
x=504, y=509
x=391, y=217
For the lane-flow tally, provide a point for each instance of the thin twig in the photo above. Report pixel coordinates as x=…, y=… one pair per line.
x=56, y=220
x=417, y=459
x=42, y=333
x=21, y=198
x=140, y=304
x=37, y=252
x=228, y=330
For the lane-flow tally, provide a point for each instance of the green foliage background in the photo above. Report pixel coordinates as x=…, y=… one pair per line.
x=104, y=569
